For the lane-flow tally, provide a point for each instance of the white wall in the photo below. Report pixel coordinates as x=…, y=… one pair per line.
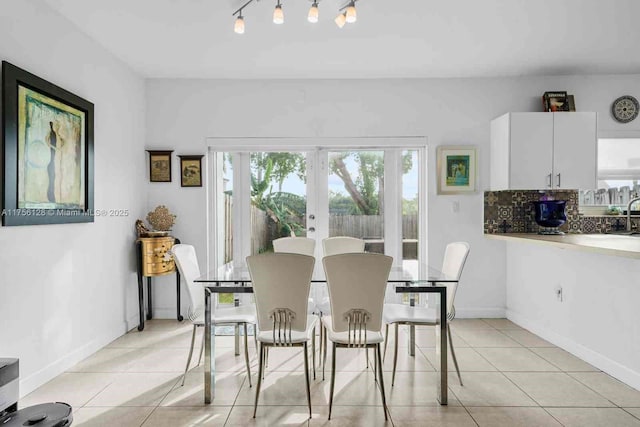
x=182, y=113
x=67, y=290
x=598, y=318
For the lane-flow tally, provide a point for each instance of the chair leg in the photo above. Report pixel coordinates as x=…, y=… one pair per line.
x=306, y=375
x=246, y=354
x=193, y=339
x=313, y=352
x=255, y=336
x=333, y=378
x=453, y=354
x=263, y=360
x=324, y=355
x=236, y=333
x=260, y=373
x=375, y=365
x=320, y=336
x=201, y=350
x=395, y=357
x=381, y=375
x=366, y=353
x=386, y=341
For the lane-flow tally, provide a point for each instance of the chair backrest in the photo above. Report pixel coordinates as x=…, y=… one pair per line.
x=455, y=256
x=281, y=281
x=357, y=281
x=187, y=263
x=342, y=245
x=295, y=245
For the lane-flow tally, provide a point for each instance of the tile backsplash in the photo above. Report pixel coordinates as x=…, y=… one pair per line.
x=511, y=211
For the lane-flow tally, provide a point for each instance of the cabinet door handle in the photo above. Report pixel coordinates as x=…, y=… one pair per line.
x=549, y=178
x=558, y=180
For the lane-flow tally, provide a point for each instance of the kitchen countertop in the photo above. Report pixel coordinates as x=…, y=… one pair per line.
x=608, y=244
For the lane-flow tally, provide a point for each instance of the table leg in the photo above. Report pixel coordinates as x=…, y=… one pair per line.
x=180, y=318
x=412, y=329
x=140, y=288
x=443, y=387
x=149, y=302
x=236, y=333
x=209, y=351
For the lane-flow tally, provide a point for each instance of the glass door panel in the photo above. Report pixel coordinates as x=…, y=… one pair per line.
x=278, y=198
x=356, y=196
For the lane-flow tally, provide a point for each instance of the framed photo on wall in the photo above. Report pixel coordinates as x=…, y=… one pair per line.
x=191, y=170
x=47, y=152
x=457, y=169
x=160, y=165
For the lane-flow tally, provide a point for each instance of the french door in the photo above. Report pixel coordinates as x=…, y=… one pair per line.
x=375, y=193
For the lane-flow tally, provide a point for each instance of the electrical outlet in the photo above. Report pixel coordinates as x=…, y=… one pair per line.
x=559, y=293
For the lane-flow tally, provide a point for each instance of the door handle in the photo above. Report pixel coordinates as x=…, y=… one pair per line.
x=549, y=178
x=558, y=180
x=312, y=216
x=311, y=229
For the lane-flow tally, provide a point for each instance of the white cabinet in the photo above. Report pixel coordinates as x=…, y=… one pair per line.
x=543, y=151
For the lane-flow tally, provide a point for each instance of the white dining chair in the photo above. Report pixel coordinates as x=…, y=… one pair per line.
x=455, y=256
x=342, y=245
x=357, y=284
x=295, y=245
x=281, y=285
x=187, y=263
x=334, y=246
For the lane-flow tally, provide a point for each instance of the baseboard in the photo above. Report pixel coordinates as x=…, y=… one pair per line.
x=611, y=367
x=40, y=377
x=480, y=312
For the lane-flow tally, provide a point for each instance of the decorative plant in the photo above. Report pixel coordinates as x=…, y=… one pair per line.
x=161, y=219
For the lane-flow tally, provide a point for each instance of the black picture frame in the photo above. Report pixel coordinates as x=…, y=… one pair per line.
x=159, y=165
x=191, y=170
x=21, y=203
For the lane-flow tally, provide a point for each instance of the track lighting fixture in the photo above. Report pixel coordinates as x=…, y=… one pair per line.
x=238, y=27
x=346, y=14
x=278, y=15
x=313, y=13
x=351, y=13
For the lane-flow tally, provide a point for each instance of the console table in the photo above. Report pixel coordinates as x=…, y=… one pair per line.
x=150, y=254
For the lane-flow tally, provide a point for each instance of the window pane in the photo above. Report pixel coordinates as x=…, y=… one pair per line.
x=410, y=207
x=278, y=198
x=356, y=201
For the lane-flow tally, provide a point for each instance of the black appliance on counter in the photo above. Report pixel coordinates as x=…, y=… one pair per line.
x=550, y=214
x=9, y=391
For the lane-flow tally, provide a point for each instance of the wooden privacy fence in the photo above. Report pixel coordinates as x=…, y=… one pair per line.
x=369, y=226
x=361, y=226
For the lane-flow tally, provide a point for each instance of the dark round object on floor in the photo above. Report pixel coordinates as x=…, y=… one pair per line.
x=44, y=415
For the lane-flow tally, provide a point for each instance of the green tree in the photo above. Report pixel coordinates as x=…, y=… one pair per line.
x=368, y=187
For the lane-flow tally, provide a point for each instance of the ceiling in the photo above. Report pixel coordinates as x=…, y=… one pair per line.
x=392, y=38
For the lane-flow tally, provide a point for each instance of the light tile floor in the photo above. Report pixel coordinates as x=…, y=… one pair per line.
x=511, y=378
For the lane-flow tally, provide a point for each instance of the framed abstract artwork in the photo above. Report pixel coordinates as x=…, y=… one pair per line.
x=160, y=165
x=191, y=170
x=47, y=152
x=457, y=169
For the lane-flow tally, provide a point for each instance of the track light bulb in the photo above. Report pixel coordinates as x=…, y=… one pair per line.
x=313, y=13
x=278, y=15
x=351, y=15
x=341, y=20
x=238, y=27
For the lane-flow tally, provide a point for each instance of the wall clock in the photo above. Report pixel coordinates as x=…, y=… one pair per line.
x=625, y=109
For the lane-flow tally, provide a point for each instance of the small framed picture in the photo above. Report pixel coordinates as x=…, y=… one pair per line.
x=457, y=169
x=160, y=165
x=191, y=170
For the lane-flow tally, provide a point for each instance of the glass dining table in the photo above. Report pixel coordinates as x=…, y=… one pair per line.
x=404, y=280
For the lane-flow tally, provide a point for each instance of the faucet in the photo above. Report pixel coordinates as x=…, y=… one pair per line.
x=632, y=201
